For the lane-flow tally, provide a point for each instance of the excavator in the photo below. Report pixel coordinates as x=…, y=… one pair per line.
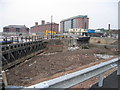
x=52, y=32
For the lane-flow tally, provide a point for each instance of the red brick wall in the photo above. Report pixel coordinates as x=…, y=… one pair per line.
x=80, y=22
x=23, y=30
x=61, y=27
x=87, y=23
x=43, y=28
x=12, y=29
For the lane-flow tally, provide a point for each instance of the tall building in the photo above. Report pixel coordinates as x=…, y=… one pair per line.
x=16, y=28
x=80, y=21
x=44, y=26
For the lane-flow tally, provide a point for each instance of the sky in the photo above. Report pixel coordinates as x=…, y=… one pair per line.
x=27, y=12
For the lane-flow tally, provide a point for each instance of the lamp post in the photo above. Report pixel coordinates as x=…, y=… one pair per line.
x=51, y=26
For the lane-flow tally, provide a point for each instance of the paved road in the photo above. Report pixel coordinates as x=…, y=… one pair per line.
x=112, y=81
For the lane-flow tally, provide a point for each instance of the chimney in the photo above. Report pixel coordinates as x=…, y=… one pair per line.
x=43, y=22
x=48, y=22
x=108, y=26
x=36, y=23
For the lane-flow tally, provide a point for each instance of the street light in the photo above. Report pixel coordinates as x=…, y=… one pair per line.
x=51, y=26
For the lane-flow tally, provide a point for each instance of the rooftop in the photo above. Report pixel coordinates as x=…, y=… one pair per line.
x=79, y=16
x=48, y=23
x=15, y=26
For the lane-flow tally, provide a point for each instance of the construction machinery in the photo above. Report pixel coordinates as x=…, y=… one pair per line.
x=51, y=32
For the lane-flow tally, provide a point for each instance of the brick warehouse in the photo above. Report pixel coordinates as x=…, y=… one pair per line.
x=80, y=21
x=44, y=26
x=16, y=28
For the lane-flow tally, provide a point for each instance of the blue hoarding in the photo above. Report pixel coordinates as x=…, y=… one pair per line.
x=91, y=31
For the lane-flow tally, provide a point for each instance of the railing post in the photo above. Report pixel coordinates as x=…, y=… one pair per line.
x=22, y=39
x=38, y=37
x=32, y=38
x=35, y=38
x=12, y=39
x=4, y=78
x=6, y=39
x=101, y=78
x=29, y=38
x=17, y=39
x=26, y=38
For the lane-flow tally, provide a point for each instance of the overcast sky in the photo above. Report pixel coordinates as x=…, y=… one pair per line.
x=27, y=12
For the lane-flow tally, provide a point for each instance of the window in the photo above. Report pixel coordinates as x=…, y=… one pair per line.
x=85, y=26
x=6, y=29
x=17, y=29
x=72, y=23
x=27, y=29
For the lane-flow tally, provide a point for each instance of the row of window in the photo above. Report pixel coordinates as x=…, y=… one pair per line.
x=69, y=24
x=17, y=30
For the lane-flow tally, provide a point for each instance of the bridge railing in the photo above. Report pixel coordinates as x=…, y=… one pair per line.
x=18, y=39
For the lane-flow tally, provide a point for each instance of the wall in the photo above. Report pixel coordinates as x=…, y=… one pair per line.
x=43, y=28
x=13, y=29
x=100, y=40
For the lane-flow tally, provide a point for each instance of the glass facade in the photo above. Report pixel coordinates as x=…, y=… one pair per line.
x=69, y=24
x=74, y=23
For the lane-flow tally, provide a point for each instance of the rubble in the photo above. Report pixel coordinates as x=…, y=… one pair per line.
x=45, y=65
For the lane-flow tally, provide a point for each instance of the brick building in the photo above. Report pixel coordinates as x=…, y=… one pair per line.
x=16, y=28
x=44, y=26
x=79, y=21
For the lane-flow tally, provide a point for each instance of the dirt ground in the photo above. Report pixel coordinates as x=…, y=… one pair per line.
x=48, y=64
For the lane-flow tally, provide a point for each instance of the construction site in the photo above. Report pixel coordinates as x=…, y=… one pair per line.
x=56, y=58
x=77, y=49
